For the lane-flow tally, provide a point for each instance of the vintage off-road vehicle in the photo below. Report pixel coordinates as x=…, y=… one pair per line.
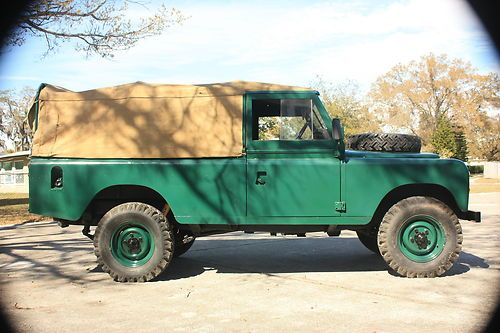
x=155, y=166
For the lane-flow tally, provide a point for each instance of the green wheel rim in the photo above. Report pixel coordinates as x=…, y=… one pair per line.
x=132, y=245
x=421, y=238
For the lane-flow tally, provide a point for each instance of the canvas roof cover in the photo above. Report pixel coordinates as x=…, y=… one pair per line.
x=141, y=120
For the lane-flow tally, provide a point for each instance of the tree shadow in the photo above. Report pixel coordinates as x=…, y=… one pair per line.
x=17, y=201
x=250, y=254
x=31, y=254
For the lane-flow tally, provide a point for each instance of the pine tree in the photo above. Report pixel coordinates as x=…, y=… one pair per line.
x=449, y=140
x=461, y=150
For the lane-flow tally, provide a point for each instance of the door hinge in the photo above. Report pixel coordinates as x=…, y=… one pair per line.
x=340, y=206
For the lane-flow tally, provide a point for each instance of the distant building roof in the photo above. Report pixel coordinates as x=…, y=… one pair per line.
x=13, y=156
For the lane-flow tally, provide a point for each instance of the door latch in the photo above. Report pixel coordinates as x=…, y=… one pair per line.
x=260, y=178
x=340, y=206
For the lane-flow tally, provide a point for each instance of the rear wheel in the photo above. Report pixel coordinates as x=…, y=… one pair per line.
x=420, y=237
x=133, y=242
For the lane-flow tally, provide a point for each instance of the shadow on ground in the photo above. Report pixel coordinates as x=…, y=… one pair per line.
x=17, y=201
x=307, y=255
x=46, y=256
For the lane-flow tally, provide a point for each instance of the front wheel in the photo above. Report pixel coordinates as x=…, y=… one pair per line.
x=420, y=237
x=133, y=242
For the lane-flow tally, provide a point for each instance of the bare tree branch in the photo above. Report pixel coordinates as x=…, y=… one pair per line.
x=96, y=26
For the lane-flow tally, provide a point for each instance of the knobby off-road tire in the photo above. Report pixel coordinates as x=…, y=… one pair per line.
x=369, y=240
x=389, y=142
x=181, y=246
x=133, y=242
x=420, y=237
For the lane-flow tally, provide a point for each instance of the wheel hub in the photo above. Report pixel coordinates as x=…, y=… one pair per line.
x=421, y=239
x=132, y=245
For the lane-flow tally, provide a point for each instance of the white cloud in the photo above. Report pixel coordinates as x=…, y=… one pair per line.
x=284, y=43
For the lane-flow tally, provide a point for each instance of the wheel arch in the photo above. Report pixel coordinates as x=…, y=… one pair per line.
x=397, y=194
x=114, y=195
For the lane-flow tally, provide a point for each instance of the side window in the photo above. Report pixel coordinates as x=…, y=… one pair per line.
x=286, y=119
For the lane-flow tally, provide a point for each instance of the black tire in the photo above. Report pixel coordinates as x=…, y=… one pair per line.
x=369, y=240
x=142, y=215
x=389, y=142
x=398, y=220
x=183, y=242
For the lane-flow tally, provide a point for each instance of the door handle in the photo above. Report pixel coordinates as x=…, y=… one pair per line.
x=260, y=178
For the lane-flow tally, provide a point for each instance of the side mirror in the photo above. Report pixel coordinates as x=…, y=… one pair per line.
x=337, y=130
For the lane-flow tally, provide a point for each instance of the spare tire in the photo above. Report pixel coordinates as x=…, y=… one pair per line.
x=385, y=142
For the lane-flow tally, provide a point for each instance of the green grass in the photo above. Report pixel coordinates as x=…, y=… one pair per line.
x=14, y=209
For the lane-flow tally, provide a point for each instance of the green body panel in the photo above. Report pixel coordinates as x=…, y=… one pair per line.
x=197, y=190
x=294, y=182
x=214, y=191
x=293, y=186
x=369, y=176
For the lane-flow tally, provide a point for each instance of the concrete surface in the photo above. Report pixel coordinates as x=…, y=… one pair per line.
x=248, y=283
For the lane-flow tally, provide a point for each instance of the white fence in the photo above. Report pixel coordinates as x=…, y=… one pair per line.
x=14, y=181
x=491, y=169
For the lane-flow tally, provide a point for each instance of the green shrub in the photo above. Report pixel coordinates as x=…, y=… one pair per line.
x=475, y=169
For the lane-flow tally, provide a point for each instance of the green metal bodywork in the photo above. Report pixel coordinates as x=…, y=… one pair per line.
x=274, y=182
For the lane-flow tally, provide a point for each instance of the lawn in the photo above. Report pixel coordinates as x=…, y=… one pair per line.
x=478, y=184
x=14, y=209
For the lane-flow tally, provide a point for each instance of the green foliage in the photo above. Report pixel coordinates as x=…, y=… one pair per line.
x=461, y=149
x=449, y=141
x=476, y=169
x=269, y=128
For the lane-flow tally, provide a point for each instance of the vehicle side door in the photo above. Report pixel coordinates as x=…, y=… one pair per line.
x=293, y=168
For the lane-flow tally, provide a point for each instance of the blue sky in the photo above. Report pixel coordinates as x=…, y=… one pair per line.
x=288, y=42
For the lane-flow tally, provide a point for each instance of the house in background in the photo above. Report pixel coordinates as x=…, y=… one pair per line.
x=14, y=172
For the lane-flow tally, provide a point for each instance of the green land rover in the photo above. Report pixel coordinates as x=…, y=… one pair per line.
x=155, y=166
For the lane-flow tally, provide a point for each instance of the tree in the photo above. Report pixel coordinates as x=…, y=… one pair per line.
x=343, y=101
x=13, y=113
x=415, y=96
x=97, y=26
x=486, y=143
x=449, y=141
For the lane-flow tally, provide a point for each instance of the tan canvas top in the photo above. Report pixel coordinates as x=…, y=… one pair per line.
x=141, y=120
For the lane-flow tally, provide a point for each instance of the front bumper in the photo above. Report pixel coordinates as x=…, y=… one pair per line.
x=470, y=215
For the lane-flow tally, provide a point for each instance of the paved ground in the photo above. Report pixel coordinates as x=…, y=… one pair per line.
x=248, y=283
